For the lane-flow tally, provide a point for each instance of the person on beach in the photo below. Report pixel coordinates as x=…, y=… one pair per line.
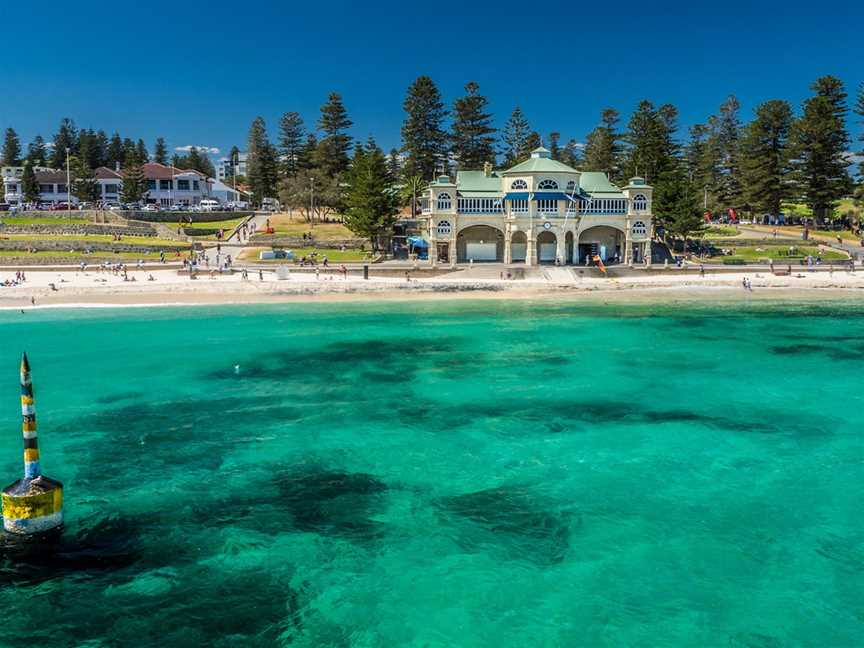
x=701, y=270
x=260, y=275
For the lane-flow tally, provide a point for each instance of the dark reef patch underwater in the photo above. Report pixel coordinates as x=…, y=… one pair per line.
x=455, y=473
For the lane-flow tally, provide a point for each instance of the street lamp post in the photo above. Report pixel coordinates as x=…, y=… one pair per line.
x=312, y=201
x=68, y=185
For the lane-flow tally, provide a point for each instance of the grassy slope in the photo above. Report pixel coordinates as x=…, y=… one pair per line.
x=95, y=238
x=780, y=254
x=286, y=226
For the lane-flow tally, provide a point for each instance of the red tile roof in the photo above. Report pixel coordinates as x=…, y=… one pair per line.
x=50, y=177
x=104, y=173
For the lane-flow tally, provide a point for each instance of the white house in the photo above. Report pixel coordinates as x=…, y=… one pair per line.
x=166, y=185
x=52, y=185
x=539, y=211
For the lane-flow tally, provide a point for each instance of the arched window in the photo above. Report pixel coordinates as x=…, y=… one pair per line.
x=639, y=229
x=443, y=228
x=640, y=202
x=571, y=186
x=519, y=184
x=547, y=184
x=443, y=202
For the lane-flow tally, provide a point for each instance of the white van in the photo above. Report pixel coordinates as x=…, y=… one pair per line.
x=209, y=205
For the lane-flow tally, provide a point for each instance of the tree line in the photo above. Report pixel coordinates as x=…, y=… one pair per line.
x=778, y=156
x=88, y=150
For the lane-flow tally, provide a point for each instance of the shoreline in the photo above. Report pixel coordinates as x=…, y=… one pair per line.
x=74, y=289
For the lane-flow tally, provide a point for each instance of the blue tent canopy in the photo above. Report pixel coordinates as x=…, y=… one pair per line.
x=417, y=242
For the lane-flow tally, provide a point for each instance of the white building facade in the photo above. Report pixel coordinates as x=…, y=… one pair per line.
x=539, y=211
x=166, y=186
x=226, y=167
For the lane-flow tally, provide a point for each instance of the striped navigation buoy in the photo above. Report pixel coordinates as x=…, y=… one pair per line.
x=33, y=504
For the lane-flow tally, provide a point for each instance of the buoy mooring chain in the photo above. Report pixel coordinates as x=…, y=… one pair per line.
x=33, y=504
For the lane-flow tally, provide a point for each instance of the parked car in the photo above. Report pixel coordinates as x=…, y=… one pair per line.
x=115, y=207
x=61, y=206
x=209, y=205
x=178, y=207
x=5, y=206
x=151, y=207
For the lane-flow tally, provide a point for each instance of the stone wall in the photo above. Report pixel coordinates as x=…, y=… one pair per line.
x=87, y=214
x=79, y=228
x=174, y=217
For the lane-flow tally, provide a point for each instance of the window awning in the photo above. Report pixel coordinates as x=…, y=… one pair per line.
x=516, y=195
x=550, y=195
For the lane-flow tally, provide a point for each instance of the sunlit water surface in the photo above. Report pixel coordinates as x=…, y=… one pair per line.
x=445, y=474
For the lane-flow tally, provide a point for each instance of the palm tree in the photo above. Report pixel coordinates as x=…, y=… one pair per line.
x=413, y=186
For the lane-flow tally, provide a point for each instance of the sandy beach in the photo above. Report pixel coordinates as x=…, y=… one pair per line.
x=73, y=288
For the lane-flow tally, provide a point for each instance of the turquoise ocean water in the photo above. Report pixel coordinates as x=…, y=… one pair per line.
x=445, y=474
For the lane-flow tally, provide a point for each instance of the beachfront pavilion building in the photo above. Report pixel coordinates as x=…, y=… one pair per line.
x=539, y=211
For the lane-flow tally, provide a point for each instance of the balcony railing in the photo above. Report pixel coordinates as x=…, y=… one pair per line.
x=480, y=206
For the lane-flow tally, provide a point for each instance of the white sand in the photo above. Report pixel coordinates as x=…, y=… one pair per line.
x=91, y=289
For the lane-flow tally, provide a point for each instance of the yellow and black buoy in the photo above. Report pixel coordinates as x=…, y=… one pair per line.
x=33, y=504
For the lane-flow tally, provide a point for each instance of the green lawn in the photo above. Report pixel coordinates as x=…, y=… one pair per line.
x=296, y=228
x=796, y=231
x=843, y=207
x=333, y=256
x=23, y=220
x=779, y=253
x=720, y=231
x=95, y=238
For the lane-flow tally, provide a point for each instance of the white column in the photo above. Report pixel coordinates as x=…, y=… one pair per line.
x=508, y=252
x=559, y=248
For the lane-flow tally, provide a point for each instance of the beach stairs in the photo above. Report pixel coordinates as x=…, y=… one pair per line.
x=558, y=274
x=660, y=253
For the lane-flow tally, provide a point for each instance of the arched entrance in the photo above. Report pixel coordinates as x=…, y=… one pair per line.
x=519, y=247
x=603, y=241
x=547, y=247
x=568, y=247
x=480, y=243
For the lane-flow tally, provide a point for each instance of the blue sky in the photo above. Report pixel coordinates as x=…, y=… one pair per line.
x=198, y=73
